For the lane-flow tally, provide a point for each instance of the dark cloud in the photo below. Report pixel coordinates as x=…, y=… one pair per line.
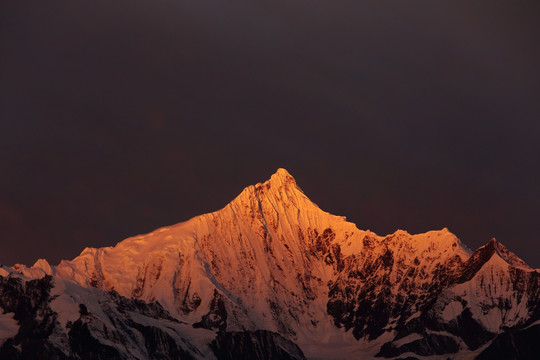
x=119, y=117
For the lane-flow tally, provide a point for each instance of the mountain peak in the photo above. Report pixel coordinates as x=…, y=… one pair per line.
x=507, y=255
x=485, y=253
x=494, y=247
x=281, y=187
x=281, y=172
x=281, y=177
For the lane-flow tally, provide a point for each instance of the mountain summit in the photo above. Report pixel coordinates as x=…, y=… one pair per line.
x=272, y=276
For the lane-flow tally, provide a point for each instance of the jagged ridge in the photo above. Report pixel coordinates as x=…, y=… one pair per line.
x=273, y=260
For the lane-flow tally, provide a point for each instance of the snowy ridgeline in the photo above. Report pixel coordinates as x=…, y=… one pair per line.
x=272, y=276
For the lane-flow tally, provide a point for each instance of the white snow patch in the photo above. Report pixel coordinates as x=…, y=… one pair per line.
x=493, y=320
x=452, y=310
x=413, y=316
x=40, y=268
x=533, y=324
x=70, y=296
x=43, y=265
x=66, y=304
x=9, y=327
x=407, y=339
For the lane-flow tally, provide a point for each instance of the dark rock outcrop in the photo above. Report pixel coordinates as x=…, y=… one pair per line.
x=514, y=345
x=260, y=344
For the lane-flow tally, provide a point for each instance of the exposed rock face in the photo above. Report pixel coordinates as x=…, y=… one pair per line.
x=258, y=344
x=268, y=272
x=393, y=279
x=483, y=297
x=216, y=317
x=428, y=345
x=514, y=344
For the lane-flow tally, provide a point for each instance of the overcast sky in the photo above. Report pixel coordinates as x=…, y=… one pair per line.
x=118, y=117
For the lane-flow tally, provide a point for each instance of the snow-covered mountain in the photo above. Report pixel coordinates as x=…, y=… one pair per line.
x=272, y=276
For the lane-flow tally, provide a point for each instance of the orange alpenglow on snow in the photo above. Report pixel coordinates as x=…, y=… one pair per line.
x=273, y=260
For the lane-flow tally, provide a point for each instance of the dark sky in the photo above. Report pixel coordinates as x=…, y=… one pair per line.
x=118, y=117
